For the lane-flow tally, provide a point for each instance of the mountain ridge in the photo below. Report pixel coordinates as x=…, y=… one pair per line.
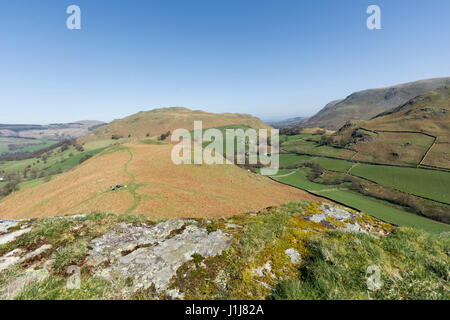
x=365, y=104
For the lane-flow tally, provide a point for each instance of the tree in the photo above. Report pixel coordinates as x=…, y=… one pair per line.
x=164, y=136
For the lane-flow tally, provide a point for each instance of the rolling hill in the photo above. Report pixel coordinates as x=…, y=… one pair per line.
x=406, y=133
x=154, y=187
x=287, y=123
x=55, y=131
x=364, y=105
x=158, y=121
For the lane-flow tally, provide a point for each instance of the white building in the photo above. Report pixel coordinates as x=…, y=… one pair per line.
x=2, y=179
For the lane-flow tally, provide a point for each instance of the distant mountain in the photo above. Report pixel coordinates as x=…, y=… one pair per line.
x=158, y=121
x=291, y=122
x=55, y=131
x=364, y=105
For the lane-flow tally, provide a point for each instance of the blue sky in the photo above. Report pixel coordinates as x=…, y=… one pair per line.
x=273, y=59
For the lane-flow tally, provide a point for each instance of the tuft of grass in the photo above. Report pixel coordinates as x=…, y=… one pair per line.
x=413, y=265
x=68, y=255
x=55, y=288
x=152, y=141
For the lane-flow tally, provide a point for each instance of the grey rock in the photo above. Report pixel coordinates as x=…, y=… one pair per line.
x=37, y=252
x=265, y=269
x=340, y=214
x=156, y=265
x=9, y=237
x=233, y=226
x=10, y=258
x=18, y=256
x=29, y=277
x=127, y=238
x=294, y=255
x=6, y=224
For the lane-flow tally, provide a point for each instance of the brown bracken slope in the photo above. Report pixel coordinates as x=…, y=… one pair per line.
x=154, y=187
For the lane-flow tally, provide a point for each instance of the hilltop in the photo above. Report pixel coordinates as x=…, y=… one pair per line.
x=364, y=105
x=152, y=185
x=159, y=121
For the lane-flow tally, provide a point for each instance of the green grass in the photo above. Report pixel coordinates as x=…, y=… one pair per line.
x=299, y=179
x=412, y=265
x=152, y=141
x=290, y=159
x=72, y=161
x=427, y=183
x=333, y=164
x=311, y=147
x=375, y=208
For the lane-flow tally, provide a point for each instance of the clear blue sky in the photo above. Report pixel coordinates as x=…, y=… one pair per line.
x=273, y=59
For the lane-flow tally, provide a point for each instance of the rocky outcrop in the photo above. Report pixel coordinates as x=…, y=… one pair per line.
x=149, y=256
x=157, y=259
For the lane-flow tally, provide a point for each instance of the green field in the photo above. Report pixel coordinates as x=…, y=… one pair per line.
x=298, y=178
x=334, y=164
x=375, y=208
x=37, y=144
x=301, y=145
x=287, y=159
x=427, y=183
x=431, y=184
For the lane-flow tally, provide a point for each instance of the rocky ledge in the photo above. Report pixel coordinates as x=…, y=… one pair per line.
x=133, y=255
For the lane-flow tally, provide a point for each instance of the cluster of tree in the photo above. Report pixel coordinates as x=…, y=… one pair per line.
x=9, y=188
x=18, y=146
x=423, y=207
x=13, y=180
x=38, y=153
x=291, y=131
x=164, y=136
x=332, y=141
x=85, y=158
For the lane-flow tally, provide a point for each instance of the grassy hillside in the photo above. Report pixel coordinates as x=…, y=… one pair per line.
x=428, y=115
x=158, y=121
x=17, y=145
x=154, y=187
x=366, y=104
x=300, y=250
